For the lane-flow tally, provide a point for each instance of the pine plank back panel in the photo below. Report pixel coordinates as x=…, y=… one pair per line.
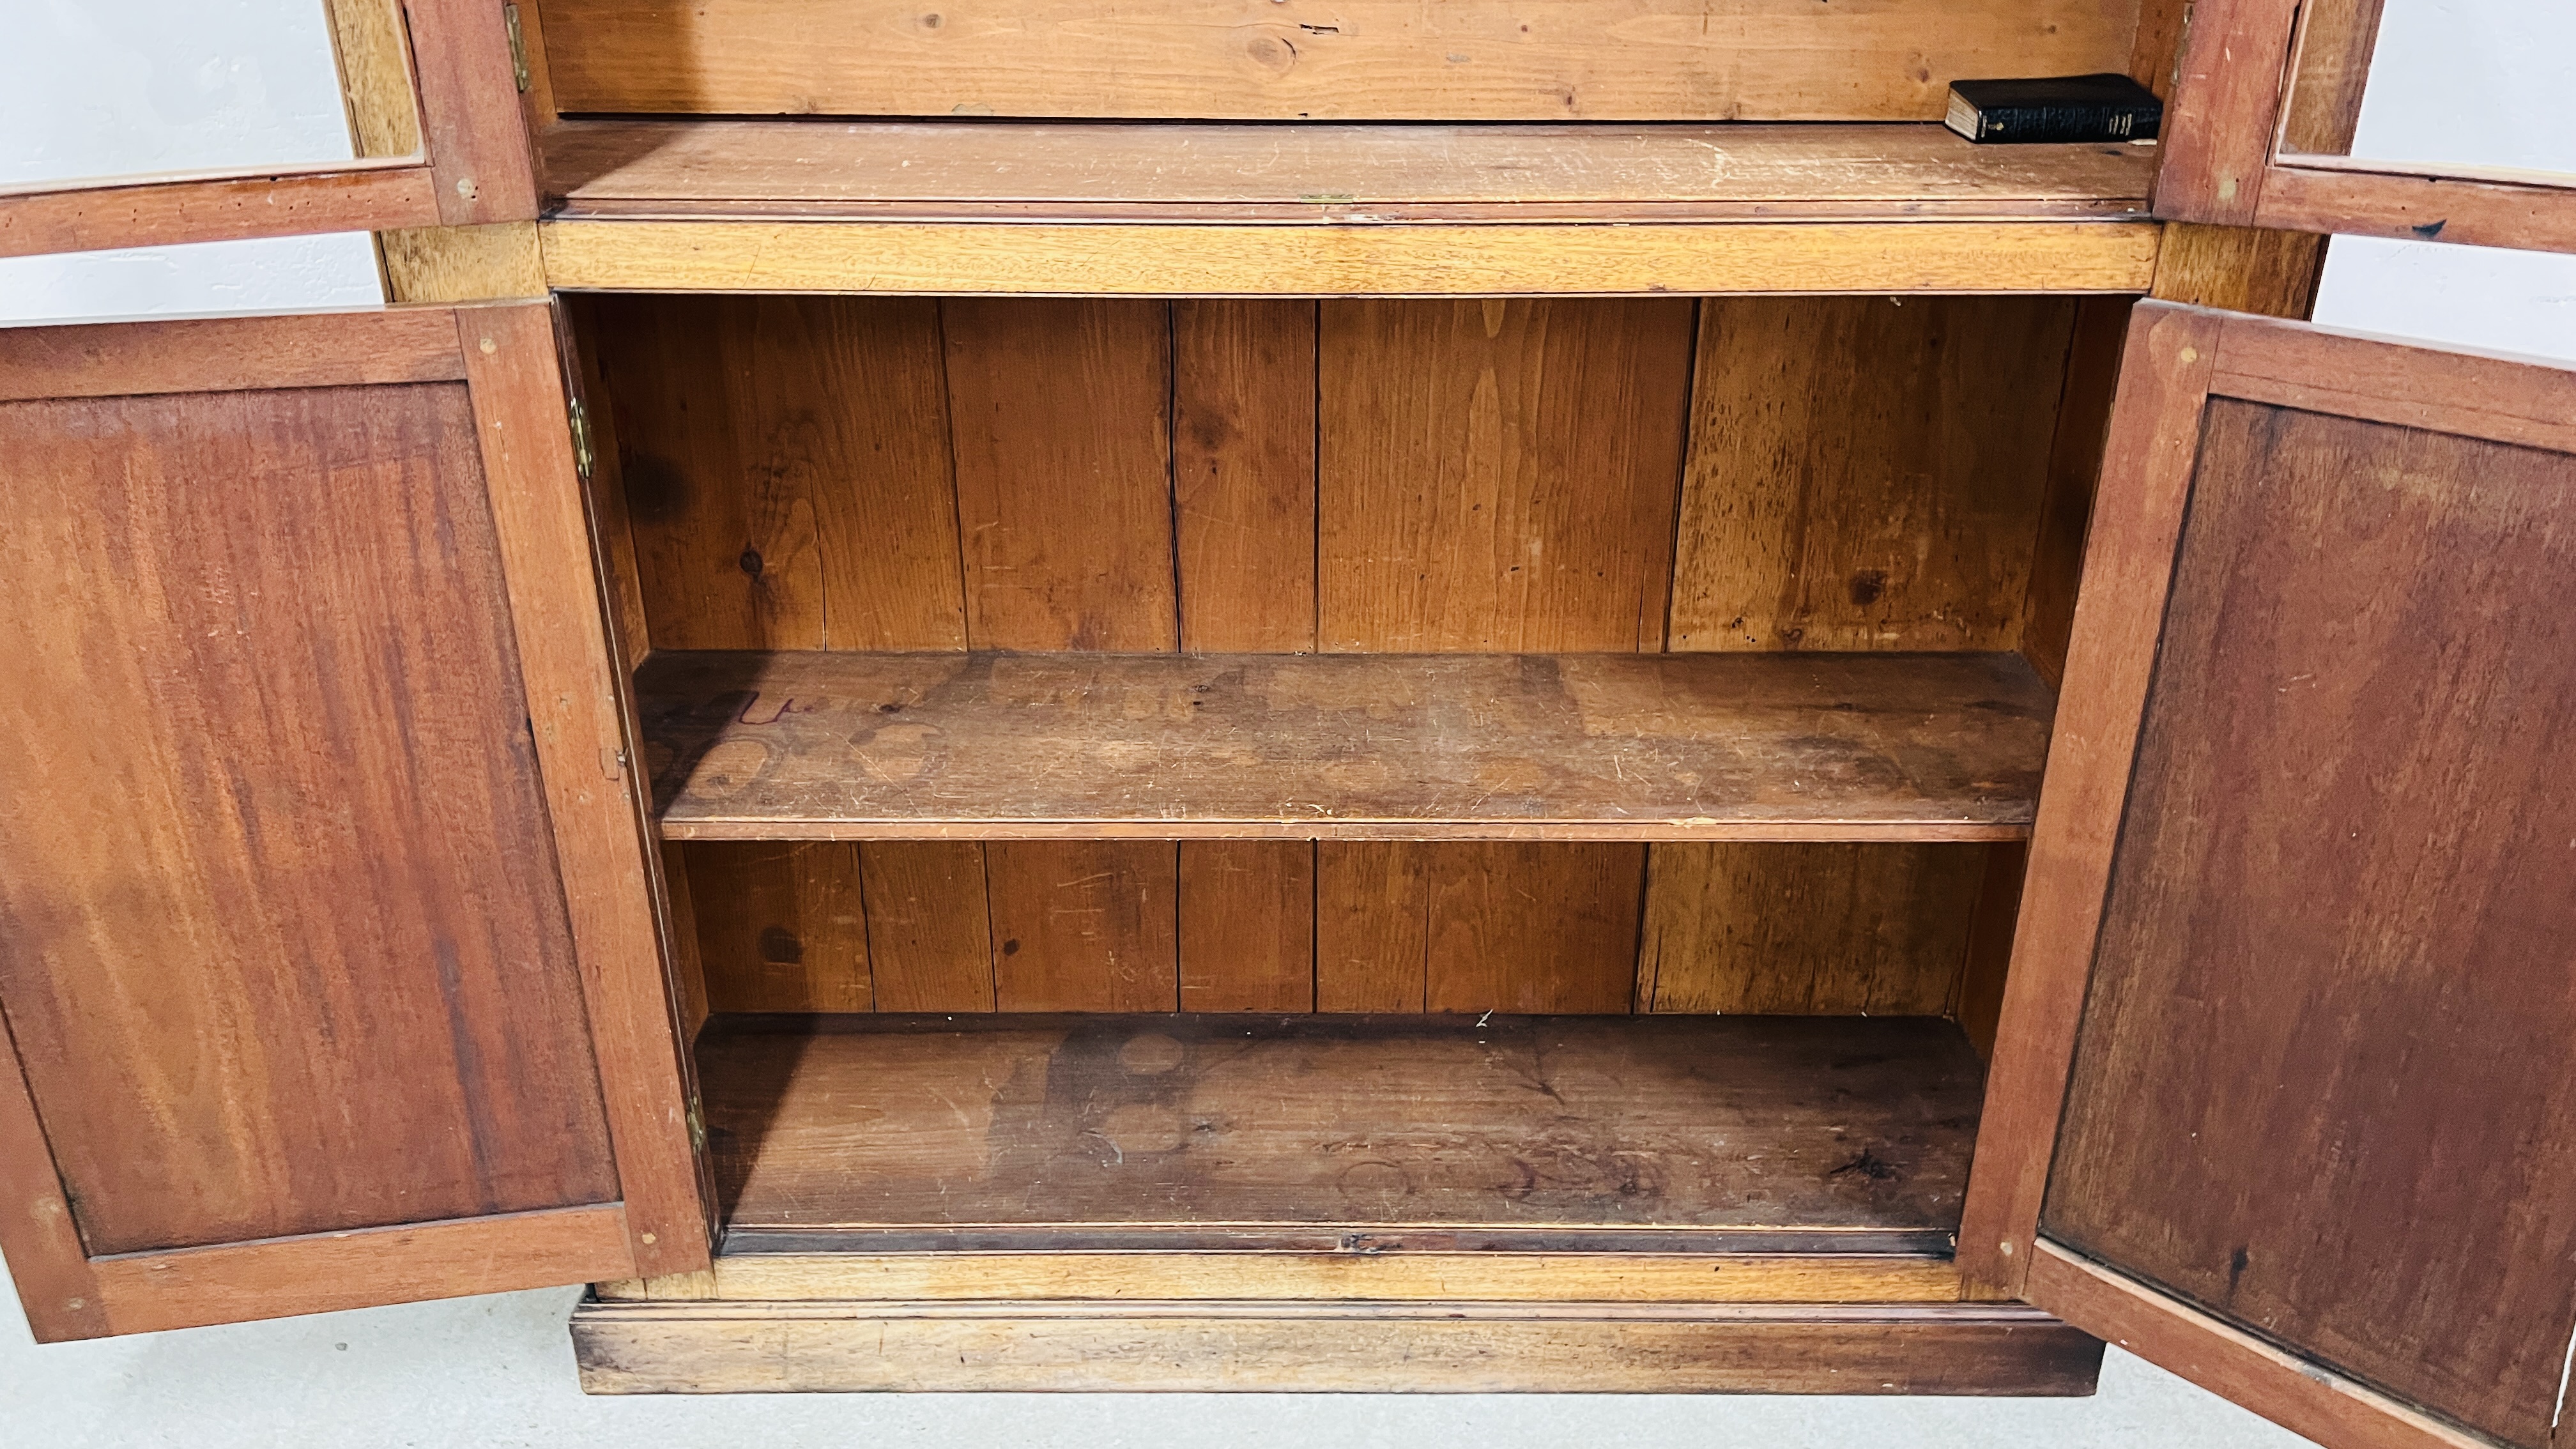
x=1350, y=475
x=1465, y=60
x=2334, y=937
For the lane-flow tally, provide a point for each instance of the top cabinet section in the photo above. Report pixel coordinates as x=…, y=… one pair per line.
x=437, y=136
x=1295, y=60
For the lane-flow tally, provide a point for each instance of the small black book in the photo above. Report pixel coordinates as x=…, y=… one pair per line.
x=2054, y=108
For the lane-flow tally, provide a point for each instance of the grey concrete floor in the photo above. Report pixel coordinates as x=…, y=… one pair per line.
x=497, y=1372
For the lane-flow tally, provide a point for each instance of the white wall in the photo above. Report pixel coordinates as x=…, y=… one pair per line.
x=116, y=87
x=2464, y=80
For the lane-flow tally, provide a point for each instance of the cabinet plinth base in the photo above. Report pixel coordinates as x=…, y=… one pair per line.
x=1273, y=1346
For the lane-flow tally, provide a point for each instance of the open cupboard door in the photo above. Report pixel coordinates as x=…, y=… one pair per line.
x=433, y=96
x=2268, y=127
x=2298, y=954
x=327, y=958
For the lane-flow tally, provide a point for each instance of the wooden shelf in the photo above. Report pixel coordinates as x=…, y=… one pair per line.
x=1331, y=209
x=1322, y=174
x=808, y=746
x=1661, y=1134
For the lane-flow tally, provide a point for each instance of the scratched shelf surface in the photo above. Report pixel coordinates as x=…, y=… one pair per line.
x=789, y=746
x=1692, y=1132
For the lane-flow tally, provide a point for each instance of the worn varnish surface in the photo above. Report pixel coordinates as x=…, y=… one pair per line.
x=265, y=670
x=817, y=745
x=1200, y=1120
x=1467, y=60
x=1828, y=929
x=2321, y=1086
x=1321, y=172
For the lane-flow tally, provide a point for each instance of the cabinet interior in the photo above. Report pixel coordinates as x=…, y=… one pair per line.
x=1479, y=774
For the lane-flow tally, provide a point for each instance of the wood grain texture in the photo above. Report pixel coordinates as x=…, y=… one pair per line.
x=1499, y=475
x=462, y=263
x=1244, y=384
x=581, y=720
x=2324, y=103
x=373, y=56
x=292, y=605
x=1372, y=927
x=1552, y=60
x=786, y=468
x=479, y=151
x=2240, y=269
x=330, y=1272
x=929, y=926
x=1320, y=172
x=2074, y=471
x=2287, y=1389
x=688, y=961
x=1866, y=473
x=1475, y=260
x=780, y=926
x=347, y=197
x=226, y=354
x=1360, y=1273
x=1088, y=925
x=1062, y=417
x=1432, y=1347
x=1825, y=930
x=1459, y=746
x=2155, y=428
x=1050, y=1123
x=2217, y=135
x=2413, y=207
x=1978, y=1007
x=2347, y=773
x=1247, y=925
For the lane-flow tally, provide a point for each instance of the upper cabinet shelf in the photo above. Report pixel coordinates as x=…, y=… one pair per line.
x=1199, y=209
x=801, y=746
x=1109, y=171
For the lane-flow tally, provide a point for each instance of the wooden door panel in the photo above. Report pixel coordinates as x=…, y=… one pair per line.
x=301, y=950
x=267, y=855
x=2320, y=1090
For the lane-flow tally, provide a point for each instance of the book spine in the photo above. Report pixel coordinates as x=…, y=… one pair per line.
x=2068, y=123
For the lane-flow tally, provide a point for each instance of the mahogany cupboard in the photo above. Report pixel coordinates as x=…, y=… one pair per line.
x=1507, y=696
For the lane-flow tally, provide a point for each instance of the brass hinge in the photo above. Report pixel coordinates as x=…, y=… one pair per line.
x=697, y=1123
x=518, y=46
x=582, y=457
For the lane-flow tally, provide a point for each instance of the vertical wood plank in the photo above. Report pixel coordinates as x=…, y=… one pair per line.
x=689, y=967
x=929, y=946
x=1866, y=472
x=1492, y=475
x=1084, y=925
x=2074, y=467
x=1372, y=924
x=779, y=925
x=1247, y=924
x=1499, y=475
x=1980, y=1001
x=786, y=467
x=1822, y=930
x=1061, y=412
x=1243, y=479
x=1243, y=473
x=614, y=533
x=1534, y=927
